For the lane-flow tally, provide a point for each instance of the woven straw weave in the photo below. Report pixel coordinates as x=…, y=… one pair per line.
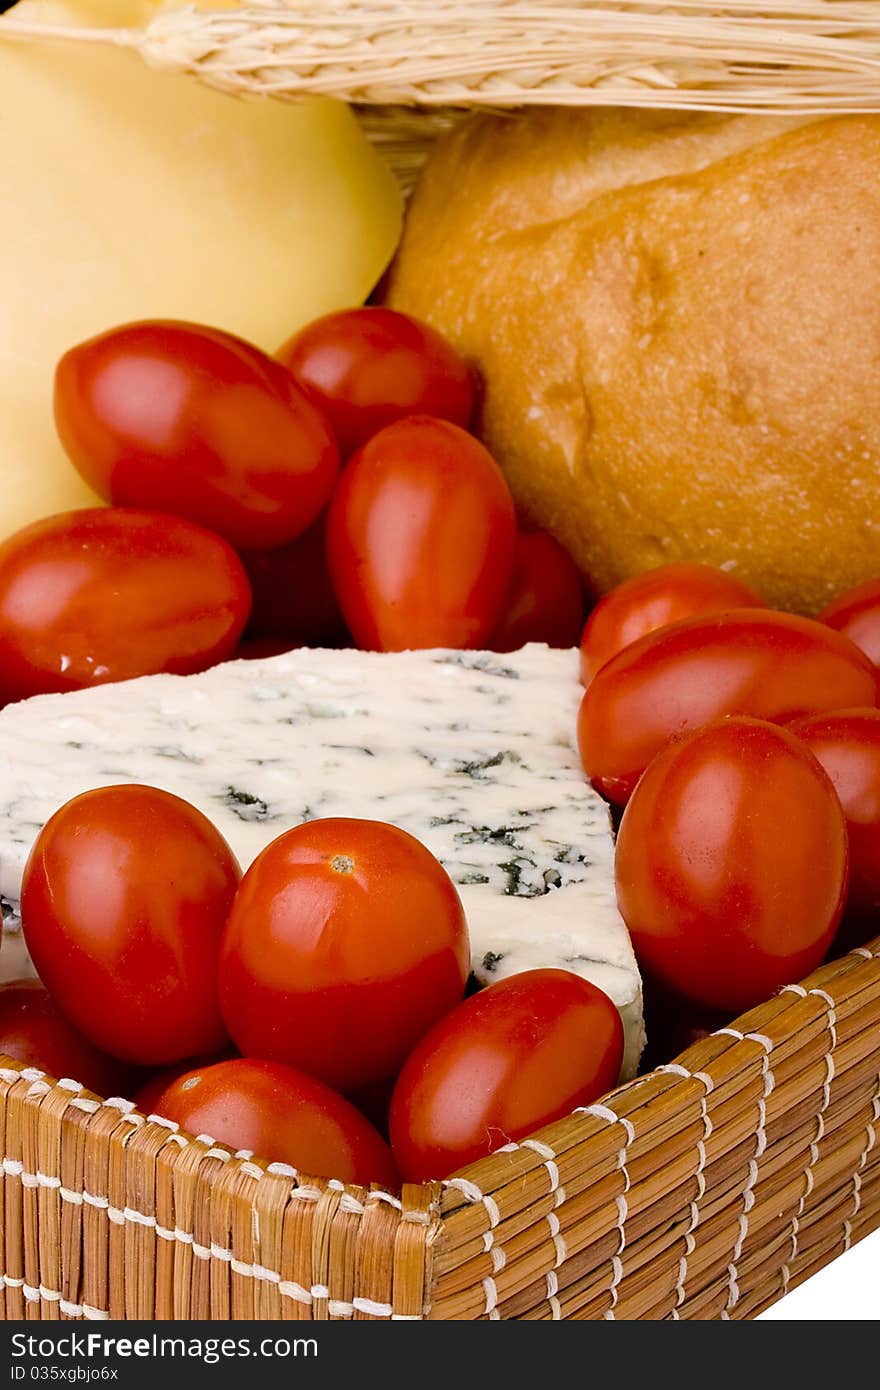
x=702, y=1190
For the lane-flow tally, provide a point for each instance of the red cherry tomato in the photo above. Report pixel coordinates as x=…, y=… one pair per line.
x=652, y=600
x=193, y=421
x=148, y=1094
x=769, y=665
x=731, y=863
x=124, y=898
x=421, y=538
x=507, y=1061
x=545, y=600
x=347, y=939
x=282, y=1115
x=34, y=1031
x=857, y=614
x=293, y=592
x=369, y=367
x=847, y=744
x=103, y=595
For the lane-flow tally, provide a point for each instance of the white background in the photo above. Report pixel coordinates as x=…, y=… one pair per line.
x=847, y=1290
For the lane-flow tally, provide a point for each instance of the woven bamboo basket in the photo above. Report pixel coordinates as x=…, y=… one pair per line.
x=704, y=1189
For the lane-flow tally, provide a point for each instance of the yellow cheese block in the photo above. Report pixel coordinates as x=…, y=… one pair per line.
x=111, y=14
x=129, y=193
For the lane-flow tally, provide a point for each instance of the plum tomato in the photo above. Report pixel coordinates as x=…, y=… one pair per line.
x=421, y=538
x=124, y=898
x=769, y=665
x=545, y=600
x=293, y=592
x=731, y=863
x=655, y=599
x=857, y=614
x=368, y=367
x=106, y=594
x=182, y=418
x=34, y=1032
x=157, y=1082
x=283, y=1115
x=847, y=744
x=346, y=941
x=507, y=1061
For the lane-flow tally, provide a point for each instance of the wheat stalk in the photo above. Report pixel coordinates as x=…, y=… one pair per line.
x=791, y=56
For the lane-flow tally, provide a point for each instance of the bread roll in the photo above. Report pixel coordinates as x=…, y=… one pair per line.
x=678, y=322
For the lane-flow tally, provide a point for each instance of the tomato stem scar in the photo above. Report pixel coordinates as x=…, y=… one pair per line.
x=342, y=864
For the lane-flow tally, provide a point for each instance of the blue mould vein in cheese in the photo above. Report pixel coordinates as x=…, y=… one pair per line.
x=472, y=752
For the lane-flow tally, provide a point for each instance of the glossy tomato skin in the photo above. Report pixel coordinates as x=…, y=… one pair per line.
x=293, y=596
x=769, y=665
x=371, y=366
x=106, y=594
x=346, y=941
x=857, y=614
x=124, y=898
x=847, y=744
x=421, y=538
x=190, y=420
x=282, y=1115
x=155, y=1083
x=731, y=864
x=545, y=600
x=510, y=1059
x=655, y=599
x=34, y=1031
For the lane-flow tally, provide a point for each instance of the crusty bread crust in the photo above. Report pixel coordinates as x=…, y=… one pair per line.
x=678, y=321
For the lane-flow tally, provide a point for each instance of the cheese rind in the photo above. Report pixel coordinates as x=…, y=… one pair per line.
x=471, y=752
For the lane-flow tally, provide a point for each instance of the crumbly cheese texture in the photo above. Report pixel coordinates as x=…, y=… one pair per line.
x=472, y=752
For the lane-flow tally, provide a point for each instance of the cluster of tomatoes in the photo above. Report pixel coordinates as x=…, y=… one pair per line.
x=331, y=494
x=742, y=746
x=317, y=1009
x=313, y=1011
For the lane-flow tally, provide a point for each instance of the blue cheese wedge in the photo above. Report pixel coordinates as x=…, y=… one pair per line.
x=472, y=752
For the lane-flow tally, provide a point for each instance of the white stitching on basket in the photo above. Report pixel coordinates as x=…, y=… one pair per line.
x=545, y=1152
x=36, y=1295
x=769, y=1080
x=375, y=1310
x=70, y=1310
x=871, y=1131
x=380, y=1195
x=604, y=1112
x=676, y=1069
x=809, y=1178
x=286, y=1288
x=475, y=1195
